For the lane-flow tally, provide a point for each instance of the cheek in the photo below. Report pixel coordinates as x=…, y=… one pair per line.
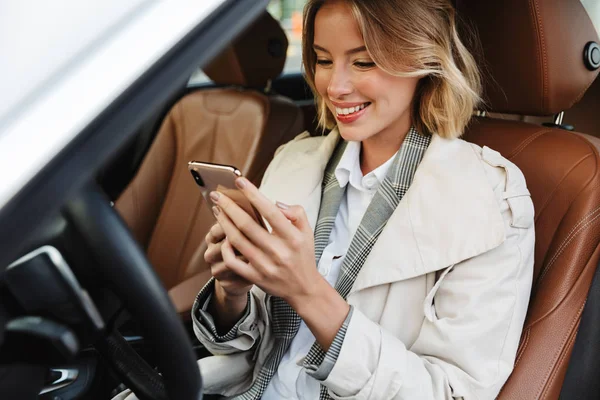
x=393, y=92
x=321, y=82
x=370, y=86
x=404, y=88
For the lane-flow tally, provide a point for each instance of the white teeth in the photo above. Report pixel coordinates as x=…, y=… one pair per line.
x=346, y=111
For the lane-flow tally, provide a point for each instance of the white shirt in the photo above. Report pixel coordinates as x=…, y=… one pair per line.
x=291, y=381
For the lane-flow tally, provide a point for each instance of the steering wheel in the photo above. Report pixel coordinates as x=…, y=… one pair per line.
x=134, y=281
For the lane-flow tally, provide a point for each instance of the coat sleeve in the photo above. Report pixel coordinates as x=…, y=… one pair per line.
x=242, y=336
x=467, y=344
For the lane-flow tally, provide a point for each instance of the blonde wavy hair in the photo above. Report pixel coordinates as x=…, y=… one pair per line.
x=410, y=38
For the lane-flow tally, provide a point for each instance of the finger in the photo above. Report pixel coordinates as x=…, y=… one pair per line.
x=265, y=207
x=245, y=223
x=235, y=238
x=239, y=267
x=296, y=215
x=222, y=273
x=215, y=234
x=212, y=254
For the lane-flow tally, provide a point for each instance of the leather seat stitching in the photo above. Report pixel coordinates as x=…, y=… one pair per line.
x=527, y=142
x=568, y=241
x=170, y=274
x=520, y=353
x=583, y=220
x=177, y=267
x=540, y=53
x=522, y=350
x=161, y=196
x=568, y=293
x=549, y=197
x=542, y=44
x=158, y=226
x=564, y=351
x=542, y=385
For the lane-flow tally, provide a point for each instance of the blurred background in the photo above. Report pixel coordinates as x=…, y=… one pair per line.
x=289, y=15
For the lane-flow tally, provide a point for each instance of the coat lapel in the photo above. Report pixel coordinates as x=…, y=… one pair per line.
x=384, y=203
x=431, y=228
x=297, y=177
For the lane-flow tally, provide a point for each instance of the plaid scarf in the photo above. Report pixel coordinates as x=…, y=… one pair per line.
x=285, y=321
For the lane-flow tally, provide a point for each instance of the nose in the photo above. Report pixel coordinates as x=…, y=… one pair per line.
x=340, y=84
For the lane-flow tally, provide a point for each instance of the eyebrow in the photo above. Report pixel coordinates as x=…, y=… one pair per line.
x=351, y=51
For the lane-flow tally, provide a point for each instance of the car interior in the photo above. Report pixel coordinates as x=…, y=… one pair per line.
x=240, y=123
x=541, y=99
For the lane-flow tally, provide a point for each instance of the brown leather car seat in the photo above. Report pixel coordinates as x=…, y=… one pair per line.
x=533, y=56
x=231, y=125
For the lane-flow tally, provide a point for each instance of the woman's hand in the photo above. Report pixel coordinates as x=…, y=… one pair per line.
x=231, y=291
x=282, y=262
x=228, y=281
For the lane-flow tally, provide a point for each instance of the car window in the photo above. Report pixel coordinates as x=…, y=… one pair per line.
x=289, y=15
x=593, y=9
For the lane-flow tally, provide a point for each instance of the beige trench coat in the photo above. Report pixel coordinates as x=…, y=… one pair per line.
x=440, y=302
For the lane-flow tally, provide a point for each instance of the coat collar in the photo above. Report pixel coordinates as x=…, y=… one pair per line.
x=448, y=215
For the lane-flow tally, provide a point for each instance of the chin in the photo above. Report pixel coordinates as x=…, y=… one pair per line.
x=353, y=134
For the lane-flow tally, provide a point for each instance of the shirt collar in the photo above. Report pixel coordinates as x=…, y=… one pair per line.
x=348, y=169
x=347, y=165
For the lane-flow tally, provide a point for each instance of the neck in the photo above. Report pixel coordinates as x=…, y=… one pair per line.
x=376, y=150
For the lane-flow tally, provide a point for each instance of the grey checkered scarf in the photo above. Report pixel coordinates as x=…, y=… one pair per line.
x=285, y=321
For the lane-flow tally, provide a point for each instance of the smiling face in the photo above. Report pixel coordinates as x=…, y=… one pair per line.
x=368, y=103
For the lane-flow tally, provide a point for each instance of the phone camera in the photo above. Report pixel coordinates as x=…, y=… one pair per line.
x=197, y=178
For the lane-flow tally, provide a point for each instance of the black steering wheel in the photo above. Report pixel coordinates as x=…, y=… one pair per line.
x=134, y=281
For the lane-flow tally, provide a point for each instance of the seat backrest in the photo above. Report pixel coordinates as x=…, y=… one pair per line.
x=533, y=58
x=232, y=125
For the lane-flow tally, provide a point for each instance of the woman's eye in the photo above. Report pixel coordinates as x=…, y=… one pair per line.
x=323, y=62
x=364, y=64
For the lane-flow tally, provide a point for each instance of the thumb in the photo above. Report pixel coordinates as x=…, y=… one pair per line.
x=295, y=214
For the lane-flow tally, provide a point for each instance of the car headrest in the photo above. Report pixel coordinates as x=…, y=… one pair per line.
x=534, y=52
x=255, y=57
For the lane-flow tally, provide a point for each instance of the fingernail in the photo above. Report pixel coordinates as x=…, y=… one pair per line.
x=241, y=182
x=215, y=196
x=216, y=210
x=281, y=205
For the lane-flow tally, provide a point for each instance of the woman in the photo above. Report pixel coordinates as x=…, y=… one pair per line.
x=401, y=293
x=405, y=267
